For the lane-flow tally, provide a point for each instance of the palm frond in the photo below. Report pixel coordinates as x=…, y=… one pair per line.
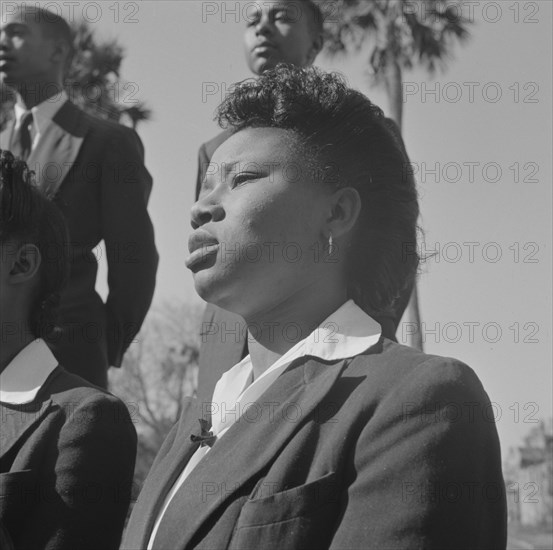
x=393, y=29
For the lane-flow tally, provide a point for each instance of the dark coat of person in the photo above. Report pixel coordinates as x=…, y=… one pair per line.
x=66, y=467
x=392, y=449
x=95, y=172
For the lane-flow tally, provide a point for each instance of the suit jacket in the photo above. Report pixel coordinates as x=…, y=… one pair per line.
x=223, y=334
x=66, y=467
x=6, y=542
x=393, y=449
x=95, y=170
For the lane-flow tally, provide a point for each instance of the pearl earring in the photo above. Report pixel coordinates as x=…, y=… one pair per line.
x=330, y=245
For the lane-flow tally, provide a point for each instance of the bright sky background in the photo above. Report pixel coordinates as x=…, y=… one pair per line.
x=174, y=55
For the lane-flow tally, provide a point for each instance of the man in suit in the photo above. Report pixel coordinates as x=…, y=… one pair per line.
x=95, y=171
x=281, y=31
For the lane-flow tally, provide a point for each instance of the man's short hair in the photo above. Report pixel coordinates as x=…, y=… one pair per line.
x=316, y=16
x=53, y=25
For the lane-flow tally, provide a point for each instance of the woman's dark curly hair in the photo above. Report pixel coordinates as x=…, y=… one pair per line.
x=348, y=140
x=27, y=216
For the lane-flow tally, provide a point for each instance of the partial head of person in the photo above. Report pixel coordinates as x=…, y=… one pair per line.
x=282, y=31
x=34, y=258
x=308, y=195
x=35, y=48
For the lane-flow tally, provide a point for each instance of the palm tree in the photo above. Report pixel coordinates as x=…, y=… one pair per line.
x=397, y=35
x=93, y=80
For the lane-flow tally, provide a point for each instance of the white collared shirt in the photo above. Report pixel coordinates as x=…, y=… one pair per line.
x=25, y=374
x=43, y=114
x=347, y=332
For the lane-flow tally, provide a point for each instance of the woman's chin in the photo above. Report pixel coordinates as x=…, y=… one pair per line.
x=205, y=288
x=208, y=286
x=217, y=292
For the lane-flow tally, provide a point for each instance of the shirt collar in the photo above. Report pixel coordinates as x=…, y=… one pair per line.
x=26, y=373
x=43, y=113
x=347, y=332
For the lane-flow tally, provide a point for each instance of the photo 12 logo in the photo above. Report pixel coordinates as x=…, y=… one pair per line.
x=473, y=11
x=470, y=252
x=470, y=92
x=72, y=12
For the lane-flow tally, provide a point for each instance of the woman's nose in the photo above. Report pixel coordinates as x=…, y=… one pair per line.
x=206, y=210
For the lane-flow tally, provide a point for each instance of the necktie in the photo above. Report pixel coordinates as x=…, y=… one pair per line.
x=25, y=138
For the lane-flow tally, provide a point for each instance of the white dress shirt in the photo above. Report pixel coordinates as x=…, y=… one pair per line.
x=347, y=332
x=43, y=113
x=25, y=374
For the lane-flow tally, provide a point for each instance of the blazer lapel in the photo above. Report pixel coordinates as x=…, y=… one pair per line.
x=58, y=147
x=248, y=447
x=17, y=421
x=160, y=480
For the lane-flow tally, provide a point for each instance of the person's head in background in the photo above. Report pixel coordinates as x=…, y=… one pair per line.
x=34, y=263
x=282, y=31
x=35, y=51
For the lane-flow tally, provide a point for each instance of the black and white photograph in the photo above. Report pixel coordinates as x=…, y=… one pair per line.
x=276, y=275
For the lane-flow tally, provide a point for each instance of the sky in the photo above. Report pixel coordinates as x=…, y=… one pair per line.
x=480, y=139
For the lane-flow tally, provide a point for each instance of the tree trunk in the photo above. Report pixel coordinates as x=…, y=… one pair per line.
x=394, y=84
x=409, y=328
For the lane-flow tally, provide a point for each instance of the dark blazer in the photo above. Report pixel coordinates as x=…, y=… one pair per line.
x=6, y=542
x=223, y=334
x=393, y=449
x=66, y=467
x=96, y=172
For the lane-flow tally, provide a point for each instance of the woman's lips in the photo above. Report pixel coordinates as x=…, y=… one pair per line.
x=202, y=255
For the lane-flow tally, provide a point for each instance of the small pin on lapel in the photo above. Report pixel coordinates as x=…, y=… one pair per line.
x=206, y=437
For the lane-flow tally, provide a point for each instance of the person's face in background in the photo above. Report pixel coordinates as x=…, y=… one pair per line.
x=280, y=31
x=27, y=55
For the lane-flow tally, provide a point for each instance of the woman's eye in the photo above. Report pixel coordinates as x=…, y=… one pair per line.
x=242, y=178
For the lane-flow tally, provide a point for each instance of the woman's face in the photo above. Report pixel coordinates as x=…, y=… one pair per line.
x=259, y=223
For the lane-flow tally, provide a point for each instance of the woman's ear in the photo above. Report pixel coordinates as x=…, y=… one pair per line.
x=25, y=265
x=345, y=210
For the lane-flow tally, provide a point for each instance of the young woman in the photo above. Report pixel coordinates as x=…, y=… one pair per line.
x=67, y=448
x=328, y=435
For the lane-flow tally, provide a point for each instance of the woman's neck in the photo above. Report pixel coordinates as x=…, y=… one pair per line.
x=274, y=331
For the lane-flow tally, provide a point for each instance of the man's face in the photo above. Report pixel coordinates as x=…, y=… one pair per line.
x=279, y=31
x=26, y=54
